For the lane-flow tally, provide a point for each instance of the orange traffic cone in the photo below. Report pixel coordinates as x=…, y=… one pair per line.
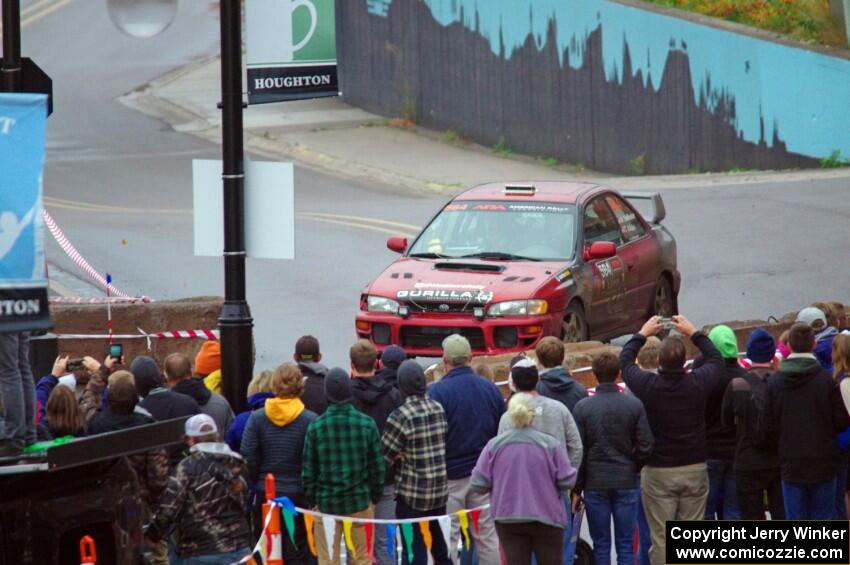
x=88, y=552
x=274, y=548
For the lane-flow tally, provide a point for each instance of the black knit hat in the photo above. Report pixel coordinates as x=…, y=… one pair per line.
x=338, y=386
x=411, y=378
x=146, y=375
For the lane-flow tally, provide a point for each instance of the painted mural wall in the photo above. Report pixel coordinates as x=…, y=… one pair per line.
x=614, y=87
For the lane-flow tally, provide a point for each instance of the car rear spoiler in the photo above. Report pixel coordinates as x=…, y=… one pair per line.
x=658, y=210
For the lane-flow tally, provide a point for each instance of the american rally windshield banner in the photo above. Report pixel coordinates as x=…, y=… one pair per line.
x=23, y=281
x=291, y=48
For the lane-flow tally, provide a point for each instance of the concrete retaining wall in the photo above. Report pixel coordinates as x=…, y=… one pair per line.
x=624, y=87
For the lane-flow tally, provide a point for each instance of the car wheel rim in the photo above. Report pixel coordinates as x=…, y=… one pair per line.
x=663, y=300
x=573, y=329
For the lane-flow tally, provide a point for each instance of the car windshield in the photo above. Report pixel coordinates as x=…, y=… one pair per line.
x=533, y=231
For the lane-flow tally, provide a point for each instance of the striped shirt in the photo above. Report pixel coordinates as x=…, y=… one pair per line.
x=414, y=443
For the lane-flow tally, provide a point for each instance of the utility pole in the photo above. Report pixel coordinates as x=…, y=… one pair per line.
x=235, y=323
x=11, y=68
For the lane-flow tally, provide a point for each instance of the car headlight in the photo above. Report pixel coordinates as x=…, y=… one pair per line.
x=381, y=304
x=519, y=308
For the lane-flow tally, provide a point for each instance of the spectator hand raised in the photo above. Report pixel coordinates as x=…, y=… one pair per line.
x=60, y=366
x=652, y=326
x=91, y=364
x=684, y=326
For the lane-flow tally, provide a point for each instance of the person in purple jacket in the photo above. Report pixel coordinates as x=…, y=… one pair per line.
x=526, y=471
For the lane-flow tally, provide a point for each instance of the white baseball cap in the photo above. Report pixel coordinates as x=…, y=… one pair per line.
x=200, y=425
x=813, y=317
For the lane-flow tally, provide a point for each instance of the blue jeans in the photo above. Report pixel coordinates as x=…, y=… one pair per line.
x=17, y=391
x=601, y=506
x=217, y=559
x=643, y=535
x=809, y=502
x=722, y=502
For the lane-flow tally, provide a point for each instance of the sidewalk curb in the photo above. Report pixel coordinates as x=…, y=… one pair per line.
x=187, y=119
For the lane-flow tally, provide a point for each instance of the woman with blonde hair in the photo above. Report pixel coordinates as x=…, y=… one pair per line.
x=259, y=390
x=526, y=471
x=273, y=442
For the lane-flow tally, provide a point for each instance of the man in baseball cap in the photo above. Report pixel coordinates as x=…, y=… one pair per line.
x=813, y=317
x=824, y=334
x=211, y=523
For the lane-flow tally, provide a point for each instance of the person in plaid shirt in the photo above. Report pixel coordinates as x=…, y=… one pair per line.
x=343, y=470
x=414, y=443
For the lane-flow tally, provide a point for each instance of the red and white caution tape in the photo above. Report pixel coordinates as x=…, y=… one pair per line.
x=98, y=300
x=77, y=258
x=206, y=335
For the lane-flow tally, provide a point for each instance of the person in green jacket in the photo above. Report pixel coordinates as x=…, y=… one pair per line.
x=343, y=469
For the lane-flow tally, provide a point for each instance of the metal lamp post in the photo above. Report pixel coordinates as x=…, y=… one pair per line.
x=235, y=323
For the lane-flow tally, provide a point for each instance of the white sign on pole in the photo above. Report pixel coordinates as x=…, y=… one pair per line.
x=269, y=209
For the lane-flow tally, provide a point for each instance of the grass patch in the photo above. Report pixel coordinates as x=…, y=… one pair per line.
x=638, y=165
x=809, y=21
x=738, y=170
x=502, y=148
x=450, y=136
x=834, y=160
x=548, y=161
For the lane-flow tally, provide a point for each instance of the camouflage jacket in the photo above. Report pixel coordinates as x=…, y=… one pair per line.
x=205, y=500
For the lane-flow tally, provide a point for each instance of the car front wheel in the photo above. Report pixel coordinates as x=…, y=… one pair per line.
x=664, y=302
x=575, y=324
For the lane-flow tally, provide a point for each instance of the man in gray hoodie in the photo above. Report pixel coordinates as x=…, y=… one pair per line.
x=555, y=379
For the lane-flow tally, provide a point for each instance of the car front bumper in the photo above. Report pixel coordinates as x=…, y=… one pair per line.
x=422, y=334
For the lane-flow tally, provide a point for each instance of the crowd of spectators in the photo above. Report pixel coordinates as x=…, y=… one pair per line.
x=725, y=436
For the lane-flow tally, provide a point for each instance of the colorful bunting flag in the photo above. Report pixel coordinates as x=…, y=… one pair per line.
x=391, y=542
x=475, y=515
x=349, y=541
x=445, y=523
x=329, y=525
x=369, y=527
x=311, y=541
x=425, y=528
x=289, y=523
x=464, y=527
x=407, y=537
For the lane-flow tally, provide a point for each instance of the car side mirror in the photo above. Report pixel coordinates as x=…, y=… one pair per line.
x=397, y=244
x=601, y=250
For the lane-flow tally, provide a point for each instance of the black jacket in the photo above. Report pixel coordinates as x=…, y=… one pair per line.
x=314, y=387
x=107, y=421
x=616, y=438
x=739, y=410
x=803, y=413
x=389, y=374
x=164, y=404
x=719, y=437
x=674, y=402
x=376, y=398
x=557, y=384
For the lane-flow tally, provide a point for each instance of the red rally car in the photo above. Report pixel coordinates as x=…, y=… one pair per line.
x=506, y=264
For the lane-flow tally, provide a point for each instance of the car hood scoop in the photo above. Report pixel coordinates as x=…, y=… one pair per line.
x=468, y=266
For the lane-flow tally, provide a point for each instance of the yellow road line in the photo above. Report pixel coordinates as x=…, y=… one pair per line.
x=359, y=222
x=355, y=225
x=360, y=218
x=46, y=12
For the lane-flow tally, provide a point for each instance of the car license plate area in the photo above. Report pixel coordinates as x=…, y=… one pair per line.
x=433, y=336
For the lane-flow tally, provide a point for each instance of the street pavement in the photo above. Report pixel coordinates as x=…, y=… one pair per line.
x=119, y=183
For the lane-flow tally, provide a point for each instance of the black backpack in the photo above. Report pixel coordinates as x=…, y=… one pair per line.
x=756, y=378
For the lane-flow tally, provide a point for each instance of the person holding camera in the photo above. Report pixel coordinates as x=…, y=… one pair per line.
x=674, y=483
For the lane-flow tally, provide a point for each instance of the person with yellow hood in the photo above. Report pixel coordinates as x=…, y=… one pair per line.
x=273, y=442
x=208, y=365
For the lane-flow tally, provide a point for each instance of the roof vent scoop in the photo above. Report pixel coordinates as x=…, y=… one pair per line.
x=519, y=190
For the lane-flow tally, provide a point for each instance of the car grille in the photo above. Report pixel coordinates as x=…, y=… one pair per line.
x=442, y=307
x=429, y=336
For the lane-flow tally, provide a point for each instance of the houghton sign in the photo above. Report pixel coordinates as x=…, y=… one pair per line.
x=23, y=282
x=291, y=50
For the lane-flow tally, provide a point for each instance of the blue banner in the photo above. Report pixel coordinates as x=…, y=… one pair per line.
x=23, y=281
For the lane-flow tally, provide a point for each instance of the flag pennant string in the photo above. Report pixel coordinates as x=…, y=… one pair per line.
x=475, y=515
x=370, y=547
x=311, y=541
x=425, y=530
x=391, y=540
x=349, y=541
x=407, y=536
x=329, y=527
x=464, y=527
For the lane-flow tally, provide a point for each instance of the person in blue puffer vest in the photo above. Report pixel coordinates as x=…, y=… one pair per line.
x=259, y=390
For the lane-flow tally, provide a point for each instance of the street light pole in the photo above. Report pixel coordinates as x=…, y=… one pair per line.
x=11, y=68
x=235, y=323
